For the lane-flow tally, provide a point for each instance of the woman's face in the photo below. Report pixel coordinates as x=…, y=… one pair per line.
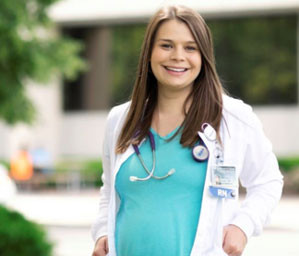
x=175, y=59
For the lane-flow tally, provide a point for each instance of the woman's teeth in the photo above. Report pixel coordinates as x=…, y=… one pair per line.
x=176, y=69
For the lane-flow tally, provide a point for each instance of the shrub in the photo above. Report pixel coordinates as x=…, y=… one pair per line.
x=288, y=164
x=20, y=237
x=93, y=169
x=90, y=170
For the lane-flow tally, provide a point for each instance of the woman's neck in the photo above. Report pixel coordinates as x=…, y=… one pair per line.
x=169, y=112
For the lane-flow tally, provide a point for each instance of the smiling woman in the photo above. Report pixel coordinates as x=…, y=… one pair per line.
x=182, y=36
x=178, y=194
x=175, y=60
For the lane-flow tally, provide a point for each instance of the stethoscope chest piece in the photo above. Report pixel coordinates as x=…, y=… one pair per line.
x=200, y=153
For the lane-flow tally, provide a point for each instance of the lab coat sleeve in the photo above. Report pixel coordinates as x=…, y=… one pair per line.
x=262, y=179
x=100, y=226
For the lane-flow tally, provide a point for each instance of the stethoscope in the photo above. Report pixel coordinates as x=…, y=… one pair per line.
x=200, y=153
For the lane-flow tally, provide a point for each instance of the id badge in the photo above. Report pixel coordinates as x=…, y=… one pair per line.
x=224, y=181
x=224, y=176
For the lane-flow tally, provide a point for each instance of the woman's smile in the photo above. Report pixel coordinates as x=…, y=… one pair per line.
x=176, y=70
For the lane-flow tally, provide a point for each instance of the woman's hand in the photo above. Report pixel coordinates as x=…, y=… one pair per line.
x=101, y=247
x=234, y=240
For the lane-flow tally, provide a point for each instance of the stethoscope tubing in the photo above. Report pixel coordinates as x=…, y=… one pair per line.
x=150, y=173
x=200, y=153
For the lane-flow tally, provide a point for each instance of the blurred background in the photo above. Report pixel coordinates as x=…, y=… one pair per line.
x=64, y=64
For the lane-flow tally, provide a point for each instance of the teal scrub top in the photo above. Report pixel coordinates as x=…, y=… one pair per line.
x=159, y=217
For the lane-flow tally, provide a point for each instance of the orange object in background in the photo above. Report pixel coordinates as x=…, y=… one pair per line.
x=21, y=167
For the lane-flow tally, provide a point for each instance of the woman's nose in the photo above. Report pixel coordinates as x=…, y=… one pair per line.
x=178, y=54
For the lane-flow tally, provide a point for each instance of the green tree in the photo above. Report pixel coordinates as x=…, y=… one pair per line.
x=30, y=49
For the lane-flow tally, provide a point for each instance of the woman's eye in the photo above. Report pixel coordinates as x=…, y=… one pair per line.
x=166, y=46
x=191, y=48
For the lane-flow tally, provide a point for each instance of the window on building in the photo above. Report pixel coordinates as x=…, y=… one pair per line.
x=90, y=91
x=125, y=50
x=73, y=90
x=256, y=58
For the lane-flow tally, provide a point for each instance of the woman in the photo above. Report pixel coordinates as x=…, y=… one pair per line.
x=173, y=155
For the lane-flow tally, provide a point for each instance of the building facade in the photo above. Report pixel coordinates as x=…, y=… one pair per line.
x=72, y=115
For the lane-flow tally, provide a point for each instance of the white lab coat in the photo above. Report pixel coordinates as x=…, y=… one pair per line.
x=244, y=146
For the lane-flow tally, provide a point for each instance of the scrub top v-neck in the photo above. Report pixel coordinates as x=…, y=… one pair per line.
x=159, y=217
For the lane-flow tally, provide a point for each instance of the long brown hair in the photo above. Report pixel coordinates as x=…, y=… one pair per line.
x=206, y=94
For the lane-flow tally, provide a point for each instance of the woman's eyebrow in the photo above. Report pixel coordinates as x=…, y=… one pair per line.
x=170, y=41
x=165, y=40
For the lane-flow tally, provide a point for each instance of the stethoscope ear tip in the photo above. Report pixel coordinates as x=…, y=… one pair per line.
x=133, y=178
x=172, y=171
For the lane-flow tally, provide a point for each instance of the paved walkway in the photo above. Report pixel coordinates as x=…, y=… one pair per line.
x=76, y=211
x=73, y=209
